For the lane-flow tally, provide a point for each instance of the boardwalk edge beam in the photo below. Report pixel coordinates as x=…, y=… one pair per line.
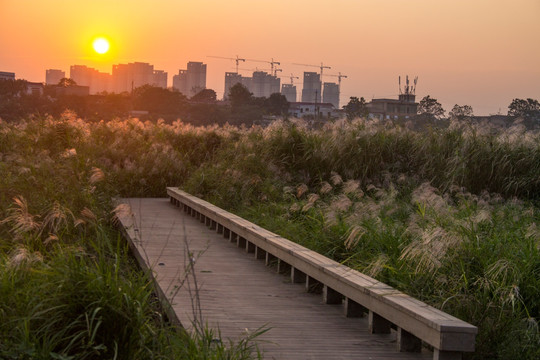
x=414, y=320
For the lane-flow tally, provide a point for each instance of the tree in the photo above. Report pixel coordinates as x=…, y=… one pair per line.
x=528, y=109
x=65, y=82
x=461, y=112
x=158, y=100
x=239, y=96
x=430, y=107
x=356, y=108
x=277, y=104
x=205, y=95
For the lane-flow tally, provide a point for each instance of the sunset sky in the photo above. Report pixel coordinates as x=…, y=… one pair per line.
x=481, y=53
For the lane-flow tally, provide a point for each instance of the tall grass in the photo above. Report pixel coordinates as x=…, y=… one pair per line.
x=448, y=215
x=68, y=287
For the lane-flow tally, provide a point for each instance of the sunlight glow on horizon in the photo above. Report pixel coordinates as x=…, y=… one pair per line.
x=478, y=53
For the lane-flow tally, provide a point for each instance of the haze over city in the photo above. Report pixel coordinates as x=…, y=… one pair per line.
x=481, y=53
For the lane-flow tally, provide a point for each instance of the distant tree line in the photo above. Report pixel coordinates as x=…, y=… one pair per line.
x=201, y=109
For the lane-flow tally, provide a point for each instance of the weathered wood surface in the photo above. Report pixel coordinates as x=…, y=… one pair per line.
x=238, y=292
x=386, y=306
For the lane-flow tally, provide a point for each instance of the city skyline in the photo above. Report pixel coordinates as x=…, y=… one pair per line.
x=482, y=53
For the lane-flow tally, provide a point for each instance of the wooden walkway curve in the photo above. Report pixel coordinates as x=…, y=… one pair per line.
x=238, y=293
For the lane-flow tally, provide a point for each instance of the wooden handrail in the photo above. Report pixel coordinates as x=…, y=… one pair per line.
x=386, y=307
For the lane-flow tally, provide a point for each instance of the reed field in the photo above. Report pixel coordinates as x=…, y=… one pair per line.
x=448, y=215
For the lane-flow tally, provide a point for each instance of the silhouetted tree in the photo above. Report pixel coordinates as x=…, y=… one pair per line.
x=356, y=108
x=430, y=107
x=65, y=82
x=158, y=100
x=239, y=95
x=205, y=95
x=529, y=108
x=277, y=104
x=461, y=112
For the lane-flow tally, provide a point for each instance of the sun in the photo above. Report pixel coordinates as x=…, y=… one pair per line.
x=101, y=45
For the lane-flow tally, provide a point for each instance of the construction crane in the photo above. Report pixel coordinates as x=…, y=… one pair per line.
x=292, y=77
x=271, y=62
x=237, y=59
x=322, y=66
x=339, y=76
x=276, y=71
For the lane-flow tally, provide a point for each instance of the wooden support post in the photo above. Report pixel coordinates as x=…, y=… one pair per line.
x=185, y=208
x=283, y=267
x=297, y=277
x=219, y=228
x=446, y=355
x=213, y=225
x=313, y=286
x=241, y=242
x=193, y=212
x=378, y=324
x=202, y=218
x=197, y=215
x=354, y=309
x=331, y=296
x=226, y=233
x=407, y=341
x=271, y=260
x=260, y=253
x=250, y=247
x=234, y=237
x=208, y=221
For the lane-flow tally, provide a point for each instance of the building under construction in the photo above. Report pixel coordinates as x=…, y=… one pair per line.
x=191, y=81
x=311, y=91
x=261, y=84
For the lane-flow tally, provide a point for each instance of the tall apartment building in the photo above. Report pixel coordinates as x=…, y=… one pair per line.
x=331, y=94
x=53, y=76
x=289, y=91
x=311, y=92
x=264, y=84
x=97, y=81
x=191, y=81
x=127, y=77
x=261, y=84
x=231, y=79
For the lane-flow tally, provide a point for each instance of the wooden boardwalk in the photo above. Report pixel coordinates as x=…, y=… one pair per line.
x=238, y=293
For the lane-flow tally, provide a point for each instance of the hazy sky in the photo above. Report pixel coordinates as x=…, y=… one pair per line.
x=481, y=53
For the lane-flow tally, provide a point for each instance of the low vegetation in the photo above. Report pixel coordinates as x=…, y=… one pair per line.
x=448, y=215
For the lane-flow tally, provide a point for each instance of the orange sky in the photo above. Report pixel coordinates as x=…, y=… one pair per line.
x=482, y=53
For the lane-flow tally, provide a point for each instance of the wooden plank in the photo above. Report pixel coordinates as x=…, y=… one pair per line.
x=237, y=292
x=407, y=313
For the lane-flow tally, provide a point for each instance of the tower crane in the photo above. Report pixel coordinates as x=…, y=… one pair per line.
x=276, y=71
x=339, y=76
x=292, y=77
x=271, y=62
x=237, y=59
x=322, y=66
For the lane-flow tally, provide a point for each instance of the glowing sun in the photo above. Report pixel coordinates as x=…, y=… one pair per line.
x=101, y=45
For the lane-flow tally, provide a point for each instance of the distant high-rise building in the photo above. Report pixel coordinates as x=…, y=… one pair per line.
x=127, y=77
x=53, y=76
x=289, y=91
x=97, y=81
x=264, y=84
x=231, y=79
x=191, y=81
x=331, y=94
x=311, y=92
